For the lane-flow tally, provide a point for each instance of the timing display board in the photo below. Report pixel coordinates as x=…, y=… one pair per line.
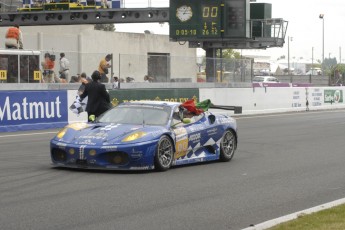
x=192, y=20
x=195, y=19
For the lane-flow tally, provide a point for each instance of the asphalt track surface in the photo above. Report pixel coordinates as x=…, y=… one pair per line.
x=284, y=163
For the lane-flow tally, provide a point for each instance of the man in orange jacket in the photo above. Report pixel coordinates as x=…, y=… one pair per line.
x=14, y=38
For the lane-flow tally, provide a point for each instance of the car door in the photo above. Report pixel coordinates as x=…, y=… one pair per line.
x=188, y=139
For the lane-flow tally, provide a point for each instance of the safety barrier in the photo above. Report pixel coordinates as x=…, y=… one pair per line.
x=43, y=109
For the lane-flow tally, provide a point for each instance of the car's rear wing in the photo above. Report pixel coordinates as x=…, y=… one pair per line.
x=236, y=109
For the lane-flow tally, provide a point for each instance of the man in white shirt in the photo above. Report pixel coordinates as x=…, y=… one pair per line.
x=116, y=83
x=64, y=67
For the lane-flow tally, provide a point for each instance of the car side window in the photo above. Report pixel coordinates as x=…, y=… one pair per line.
x=176, y=119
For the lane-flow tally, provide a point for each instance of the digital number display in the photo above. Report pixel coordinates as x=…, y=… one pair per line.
x=211, y=20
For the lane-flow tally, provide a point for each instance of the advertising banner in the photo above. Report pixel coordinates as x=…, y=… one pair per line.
x=172, y=95
x=333, y=96
x=30, y=110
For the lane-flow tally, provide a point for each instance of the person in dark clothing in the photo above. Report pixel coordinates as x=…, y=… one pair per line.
x=98, y=97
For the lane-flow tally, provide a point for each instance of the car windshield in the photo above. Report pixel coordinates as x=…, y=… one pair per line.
x=137, y=114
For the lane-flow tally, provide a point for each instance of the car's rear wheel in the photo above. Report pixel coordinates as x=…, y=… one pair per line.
x=228, y=145
x=164, y=154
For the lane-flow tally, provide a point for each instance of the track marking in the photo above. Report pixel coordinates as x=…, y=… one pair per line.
x=26, y=134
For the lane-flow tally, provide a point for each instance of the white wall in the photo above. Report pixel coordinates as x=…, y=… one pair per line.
x=95, y=44
x=258, y=100
x=275, y=99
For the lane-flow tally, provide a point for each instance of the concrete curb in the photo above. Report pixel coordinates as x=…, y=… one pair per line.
x=271, y=223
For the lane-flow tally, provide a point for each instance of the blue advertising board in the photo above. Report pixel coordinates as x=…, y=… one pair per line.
x=30, y=110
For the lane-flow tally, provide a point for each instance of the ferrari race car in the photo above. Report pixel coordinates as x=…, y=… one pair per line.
x=145, y=135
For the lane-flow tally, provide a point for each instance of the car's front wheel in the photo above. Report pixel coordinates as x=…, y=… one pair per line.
x=228, y=145
x=164, y=154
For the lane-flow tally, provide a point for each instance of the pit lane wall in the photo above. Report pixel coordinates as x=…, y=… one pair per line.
x=43, y=109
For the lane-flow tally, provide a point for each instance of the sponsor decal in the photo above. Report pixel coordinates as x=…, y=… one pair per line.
x=195, y=137
x=136, y=153
x=181, y=142
x=109, y=148
x=86, y=142
x=109, y=127
x=61, y=144
x=196, y=127
x=212, y=132
x=223, y=120
x=179, y=131
x=97, y=136
x=156, y=133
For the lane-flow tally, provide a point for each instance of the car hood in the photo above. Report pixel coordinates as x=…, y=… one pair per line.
x=108, y=134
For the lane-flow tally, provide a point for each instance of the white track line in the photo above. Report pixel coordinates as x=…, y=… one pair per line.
x=26, y=134
x=274, y=222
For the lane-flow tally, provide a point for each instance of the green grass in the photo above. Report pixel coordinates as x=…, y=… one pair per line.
x=328, y=219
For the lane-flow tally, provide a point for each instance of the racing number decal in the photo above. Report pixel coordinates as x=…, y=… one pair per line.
x=181, y=142
x=37, y=75
x=3, y=75
x=181, y=148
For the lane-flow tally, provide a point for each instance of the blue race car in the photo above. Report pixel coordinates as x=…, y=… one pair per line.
x=145, y=135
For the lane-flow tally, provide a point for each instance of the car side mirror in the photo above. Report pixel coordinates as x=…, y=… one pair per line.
x=211, y=118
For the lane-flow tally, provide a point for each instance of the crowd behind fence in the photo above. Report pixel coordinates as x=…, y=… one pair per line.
x=133, y=68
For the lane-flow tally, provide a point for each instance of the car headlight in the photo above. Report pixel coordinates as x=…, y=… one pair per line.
x=134, y=136
x=61, y=133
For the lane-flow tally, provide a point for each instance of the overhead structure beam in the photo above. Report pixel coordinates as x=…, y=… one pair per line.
x=96, y=16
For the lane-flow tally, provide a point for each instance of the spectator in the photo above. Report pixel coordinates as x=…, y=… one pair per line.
x=84, y=79
x=129, y=79
x=116, y=84
x=74, y=79
x=103, y=68
x=48, y=68
x=64, y=67
x=98, y=98
x=14, y=38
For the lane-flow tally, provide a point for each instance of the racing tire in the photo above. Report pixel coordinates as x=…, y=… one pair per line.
x=164, y=154
x=228, y=145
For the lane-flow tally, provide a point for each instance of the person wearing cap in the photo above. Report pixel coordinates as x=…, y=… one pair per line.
x=98, y=98
x=103, y=68
x=14, y=38
x=64, y=67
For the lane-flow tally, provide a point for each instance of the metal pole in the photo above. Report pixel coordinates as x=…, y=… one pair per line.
x=289, y=60
x=323, y=40
x=321, y=16
x=312, y=64
x=340, y=55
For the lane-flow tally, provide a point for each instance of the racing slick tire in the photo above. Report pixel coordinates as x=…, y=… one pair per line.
x=164, y=154
x=228, y=146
